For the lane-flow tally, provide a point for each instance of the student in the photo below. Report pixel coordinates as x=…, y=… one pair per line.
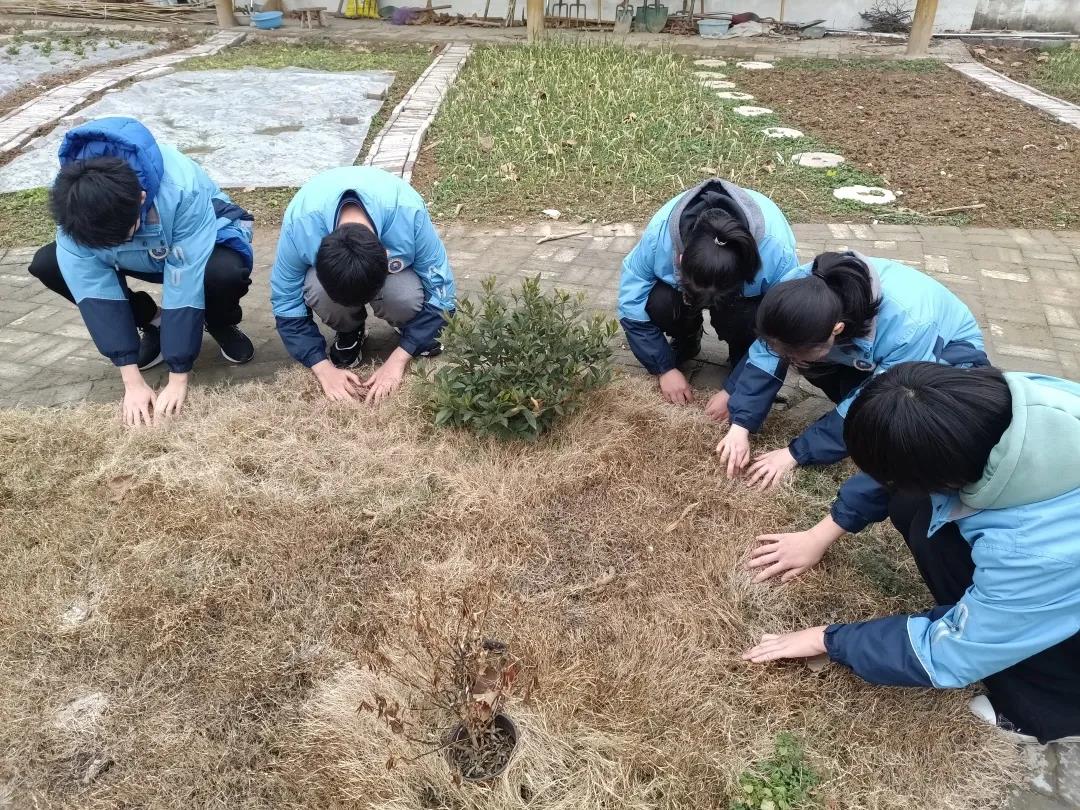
x=717, y=247
x=840, y=320
x=125, y=207
x=984, y=486
x=351, y=237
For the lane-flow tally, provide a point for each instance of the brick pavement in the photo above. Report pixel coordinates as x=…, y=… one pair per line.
x=1064, y=111
x=1022, y=285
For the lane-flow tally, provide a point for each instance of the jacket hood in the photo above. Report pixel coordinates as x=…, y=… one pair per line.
x=119, y=137
x=742, y=202
x=1036, y=459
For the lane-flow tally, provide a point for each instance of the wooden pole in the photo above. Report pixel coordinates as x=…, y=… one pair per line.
x=225, y=17
x=535, y=19
x=922, y=26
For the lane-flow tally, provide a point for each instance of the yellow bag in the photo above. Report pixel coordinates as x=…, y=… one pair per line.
x=363, y=9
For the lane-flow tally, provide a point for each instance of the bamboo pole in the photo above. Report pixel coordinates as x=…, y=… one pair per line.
x=535, y=19
x=922, y=26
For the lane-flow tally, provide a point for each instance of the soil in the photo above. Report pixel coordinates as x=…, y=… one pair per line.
x=940, y=138
x=1021, y=65
x=489, y=757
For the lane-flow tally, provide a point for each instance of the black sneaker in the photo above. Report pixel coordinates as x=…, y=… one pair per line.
x=687, y=347
x=346, y=351
x=236, y=347
x=149, y=347
x=434, y=350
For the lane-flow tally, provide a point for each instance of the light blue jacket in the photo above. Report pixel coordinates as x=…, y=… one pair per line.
x=1022, y=520
x=655, y=259
x=185, y=215
x=404, y=228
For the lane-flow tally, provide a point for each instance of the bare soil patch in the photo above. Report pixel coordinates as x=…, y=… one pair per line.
x=229, y=570
x=1028, y=65
x=940, y=138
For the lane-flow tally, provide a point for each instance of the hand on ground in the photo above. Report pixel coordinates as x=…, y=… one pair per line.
x=675, y=389
x=170, y=400
x=787, y=555
x=138, y=405
x=340, y=385
x=769, y=469
x=734, y=450
x=802, y=644
x=384, y=382
x=717, y=408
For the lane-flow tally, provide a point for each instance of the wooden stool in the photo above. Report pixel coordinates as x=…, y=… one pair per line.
x=312, y=15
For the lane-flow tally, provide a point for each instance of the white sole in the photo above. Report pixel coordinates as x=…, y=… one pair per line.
x=235, y=362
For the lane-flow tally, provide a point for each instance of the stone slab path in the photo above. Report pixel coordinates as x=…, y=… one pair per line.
x=41, y=112
x=397, y=145
x=1064, y=111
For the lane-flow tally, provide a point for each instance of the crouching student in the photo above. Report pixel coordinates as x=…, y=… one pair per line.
x=840, y=320
x=717, y=247
x=353, y=237
x=984, y=485
x=126, y=207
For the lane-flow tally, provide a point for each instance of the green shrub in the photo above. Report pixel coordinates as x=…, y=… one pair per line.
x=518, y=363
x=783, y=782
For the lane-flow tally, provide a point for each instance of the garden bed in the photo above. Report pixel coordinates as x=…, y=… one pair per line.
x=938, y=137
x=185, y=613
x=1055, y=71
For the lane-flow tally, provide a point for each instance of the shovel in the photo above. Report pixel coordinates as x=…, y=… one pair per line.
x=624, y=15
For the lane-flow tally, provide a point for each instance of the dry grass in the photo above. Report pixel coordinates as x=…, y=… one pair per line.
x=191, y=606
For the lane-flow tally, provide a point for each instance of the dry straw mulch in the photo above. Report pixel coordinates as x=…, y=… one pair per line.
x=183, y=613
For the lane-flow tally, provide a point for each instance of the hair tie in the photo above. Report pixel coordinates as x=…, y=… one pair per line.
x=718, y=242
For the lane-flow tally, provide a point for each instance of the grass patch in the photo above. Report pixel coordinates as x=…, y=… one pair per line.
x=1060, y=75
x=602, y=132
x=25, y=218
x=879, y=65
x=194, y=603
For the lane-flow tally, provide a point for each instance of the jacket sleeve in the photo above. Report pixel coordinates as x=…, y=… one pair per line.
x=823, y=441
x=860, y=502
x=295, y=325
x=432, y=265
x=1018, y=605
x=753, y=385
x=646, y=340
x=102, y=302
x=182, y=297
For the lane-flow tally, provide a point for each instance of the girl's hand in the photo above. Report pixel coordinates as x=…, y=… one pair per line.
x=801, y=644
x=734, y=449
x=769, y=469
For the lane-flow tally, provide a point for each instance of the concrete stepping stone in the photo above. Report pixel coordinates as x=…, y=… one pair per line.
x=734, y=95
x=752, y=112
x=755, y=65
x=713, y=84
x=709, y=74
x=869, y=195
x=817, y=160
x=710, y=63
x=782, y=132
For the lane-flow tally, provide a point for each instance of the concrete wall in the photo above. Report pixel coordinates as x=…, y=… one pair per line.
x=1028, y=15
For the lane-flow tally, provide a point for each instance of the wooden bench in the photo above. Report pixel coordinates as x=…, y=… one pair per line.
x=311, y=15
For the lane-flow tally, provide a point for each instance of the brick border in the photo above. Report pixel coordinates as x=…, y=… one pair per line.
x=397, y=145
x=1064, y=111
x=22, y=123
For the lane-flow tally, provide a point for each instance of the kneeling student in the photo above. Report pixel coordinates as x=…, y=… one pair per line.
x=351, y=237
x=125, y=207
x=984, y=485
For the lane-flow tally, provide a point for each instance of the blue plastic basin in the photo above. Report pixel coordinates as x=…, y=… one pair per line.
x=267, y=19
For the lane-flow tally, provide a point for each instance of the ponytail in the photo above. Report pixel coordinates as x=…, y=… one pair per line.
x=803, y=313
x=719, y=257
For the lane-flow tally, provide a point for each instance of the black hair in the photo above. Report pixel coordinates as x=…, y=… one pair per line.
x=96, y=202
x=926, y=427
x=351, y=264
x=803, y=312
x=720, y=256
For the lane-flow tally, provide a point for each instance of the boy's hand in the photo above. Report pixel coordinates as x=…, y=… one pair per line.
x=674, y=388
x=734, y=449
x=137, y=406
x=791, y=554
x=801, y=644
x=339, y=385
x=170, y=400
x=717, y=408
x=387, y=378
x=769, y=469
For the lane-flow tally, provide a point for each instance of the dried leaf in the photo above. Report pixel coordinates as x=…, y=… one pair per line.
x=396, y=726
x=118, y=487
x=487, y=143
x=364, y=707
x=390, y=763
x=554, y=213
x=605, y=579
x=682, y=516
x=817, y=663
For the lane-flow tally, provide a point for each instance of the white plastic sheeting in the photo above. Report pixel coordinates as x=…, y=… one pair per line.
x=30, y=65
x=250, y=127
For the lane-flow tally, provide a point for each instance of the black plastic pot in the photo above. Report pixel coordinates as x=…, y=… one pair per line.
x=461, y=735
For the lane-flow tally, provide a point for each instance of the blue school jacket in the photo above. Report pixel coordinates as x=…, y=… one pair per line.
x=1020, y=520
x=404, y=228
x=185, y=215
x=655, y=258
